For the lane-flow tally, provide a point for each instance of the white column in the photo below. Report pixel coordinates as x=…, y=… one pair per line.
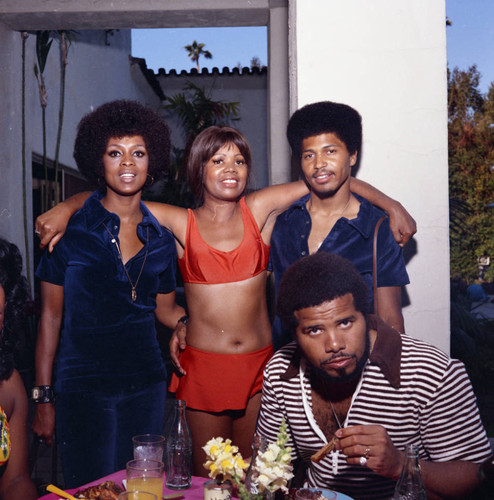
x=387, y=58
x=279, y=151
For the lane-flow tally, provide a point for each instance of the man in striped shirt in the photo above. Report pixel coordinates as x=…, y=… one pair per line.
x=351, y=377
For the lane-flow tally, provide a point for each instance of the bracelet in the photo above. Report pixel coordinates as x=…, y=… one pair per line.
x=184, y=319
x=42, y=394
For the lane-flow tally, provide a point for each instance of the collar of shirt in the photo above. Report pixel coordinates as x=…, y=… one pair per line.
x=386, y=352
x=363, y=223
x=96, y=214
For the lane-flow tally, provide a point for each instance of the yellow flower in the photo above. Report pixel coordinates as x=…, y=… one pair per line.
x=273, y=467
x=225, y=460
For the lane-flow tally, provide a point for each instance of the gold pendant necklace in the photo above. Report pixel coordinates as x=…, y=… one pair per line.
x=133, y=294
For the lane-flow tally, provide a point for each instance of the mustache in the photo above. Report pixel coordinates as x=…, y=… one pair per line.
x=324, y=170
x=338, y=357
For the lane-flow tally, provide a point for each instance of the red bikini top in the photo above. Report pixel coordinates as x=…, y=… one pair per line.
x=202, y=263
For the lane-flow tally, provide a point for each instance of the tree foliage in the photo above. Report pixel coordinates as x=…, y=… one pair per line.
x=196, y=50
x=471, y=173
x=197, y=111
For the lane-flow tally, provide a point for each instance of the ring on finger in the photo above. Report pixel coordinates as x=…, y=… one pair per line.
x=362, y=461
x=367, y=452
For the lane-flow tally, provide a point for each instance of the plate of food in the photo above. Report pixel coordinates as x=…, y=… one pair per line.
x=104, y=491
x=329, y=493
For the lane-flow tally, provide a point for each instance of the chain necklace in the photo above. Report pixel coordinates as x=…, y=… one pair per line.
x=309, y=208
x=334, y=413
x=133, y=285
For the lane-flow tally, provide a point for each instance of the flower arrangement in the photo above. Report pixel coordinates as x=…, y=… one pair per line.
x=273, y=466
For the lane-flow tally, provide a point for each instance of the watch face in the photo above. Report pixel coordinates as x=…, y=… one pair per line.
x=36, y=393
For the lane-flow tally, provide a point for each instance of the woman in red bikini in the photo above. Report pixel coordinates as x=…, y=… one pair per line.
x=223, y=248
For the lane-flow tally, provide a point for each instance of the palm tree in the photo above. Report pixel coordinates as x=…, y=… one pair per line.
x=196, y=50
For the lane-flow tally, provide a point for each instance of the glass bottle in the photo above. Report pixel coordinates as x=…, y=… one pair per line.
x=410, y=485
x=259, y=445
x=179, y=451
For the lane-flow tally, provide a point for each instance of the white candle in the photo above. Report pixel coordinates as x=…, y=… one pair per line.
x=217, y=491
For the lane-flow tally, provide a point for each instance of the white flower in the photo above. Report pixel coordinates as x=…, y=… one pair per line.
x=273, y=467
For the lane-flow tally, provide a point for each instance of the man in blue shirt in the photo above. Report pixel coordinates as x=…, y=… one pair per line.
x=326, y=138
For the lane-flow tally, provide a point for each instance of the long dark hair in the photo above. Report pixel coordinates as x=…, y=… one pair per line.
x=16, y=291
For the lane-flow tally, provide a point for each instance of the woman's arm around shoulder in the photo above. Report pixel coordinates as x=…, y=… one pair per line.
x=51, y=225
x=169, y=216
x=267, y=203
x=15, y=484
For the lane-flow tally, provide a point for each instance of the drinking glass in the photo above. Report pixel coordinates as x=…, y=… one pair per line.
x=149, y=446
x=145, y=475
x=136, y=495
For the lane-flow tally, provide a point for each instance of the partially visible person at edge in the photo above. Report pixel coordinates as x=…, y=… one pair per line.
x=15, y=483
x=326, y=138
x=223, y=248
x=113, y=271
x=350, y=376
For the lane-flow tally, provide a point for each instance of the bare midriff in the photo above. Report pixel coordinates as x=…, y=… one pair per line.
x=228, y=317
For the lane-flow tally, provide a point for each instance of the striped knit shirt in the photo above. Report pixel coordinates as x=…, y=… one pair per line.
x=413, y=389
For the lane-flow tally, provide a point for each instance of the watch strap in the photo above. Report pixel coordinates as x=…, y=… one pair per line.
x=42, y=394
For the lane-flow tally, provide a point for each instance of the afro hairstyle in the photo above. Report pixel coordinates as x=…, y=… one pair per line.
x=121, y=118
x=315, y=279
x=323, y=118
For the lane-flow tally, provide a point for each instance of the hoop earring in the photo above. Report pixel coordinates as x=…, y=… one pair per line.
x=151, y=182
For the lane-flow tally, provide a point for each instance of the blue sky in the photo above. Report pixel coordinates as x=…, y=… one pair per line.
x=471, y=37
x=470, y=41
x=164, y=48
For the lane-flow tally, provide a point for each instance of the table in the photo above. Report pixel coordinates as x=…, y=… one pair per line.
x=195, y=492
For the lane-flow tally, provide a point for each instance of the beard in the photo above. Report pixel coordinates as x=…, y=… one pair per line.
x=343, y=377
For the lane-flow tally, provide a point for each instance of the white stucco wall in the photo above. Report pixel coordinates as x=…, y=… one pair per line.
x=11, y=205
x=387, y=58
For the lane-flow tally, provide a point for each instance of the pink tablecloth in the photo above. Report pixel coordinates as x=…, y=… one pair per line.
x=195, y=492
